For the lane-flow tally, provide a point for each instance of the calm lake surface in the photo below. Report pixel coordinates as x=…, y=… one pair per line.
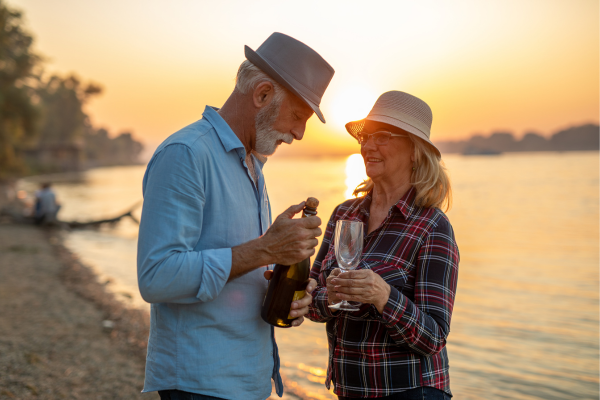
x=525, y=322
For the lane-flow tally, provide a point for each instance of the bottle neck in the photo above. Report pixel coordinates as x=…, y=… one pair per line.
x=308, y=212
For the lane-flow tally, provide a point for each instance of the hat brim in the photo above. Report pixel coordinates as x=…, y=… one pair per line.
x=264, y=65
x=355, y=127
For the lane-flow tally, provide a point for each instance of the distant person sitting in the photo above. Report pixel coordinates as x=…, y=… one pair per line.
x=46, y=207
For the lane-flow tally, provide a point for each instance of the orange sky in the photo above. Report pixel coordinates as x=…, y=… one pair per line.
x=512, y=65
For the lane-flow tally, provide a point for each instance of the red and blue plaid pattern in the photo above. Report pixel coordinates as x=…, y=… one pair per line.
x=373, y=354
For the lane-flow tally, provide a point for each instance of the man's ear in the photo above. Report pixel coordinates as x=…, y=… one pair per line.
x=263, y=94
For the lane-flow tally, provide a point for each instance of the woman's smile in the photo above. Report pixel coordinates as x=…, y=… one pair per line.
x=374, y=160
x=373, y=164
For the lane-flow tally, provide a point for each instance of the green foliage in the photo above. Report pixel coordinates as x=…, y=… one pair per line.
x=43, y=127
x=63, y=120
x=18, y=114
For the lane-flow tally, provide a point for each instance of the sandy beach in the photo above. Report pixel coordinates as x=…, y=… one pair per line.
x=62, y=336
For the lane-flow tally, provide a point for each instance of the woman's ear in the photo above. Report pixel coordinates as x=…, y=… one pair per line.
x=263, y=94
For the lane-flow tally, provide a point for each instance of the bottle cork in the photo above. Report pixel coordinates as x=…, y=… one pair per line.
x=312, y=202
x=310, y=207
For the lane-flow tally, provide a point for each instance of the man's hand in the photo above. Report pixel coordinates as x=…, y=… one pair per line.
x=362, y=285
x=299, y=308
x=288, y=240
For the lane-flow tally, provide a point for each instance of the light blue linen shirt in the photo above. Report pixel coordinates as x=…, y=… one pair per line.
x=206, y=334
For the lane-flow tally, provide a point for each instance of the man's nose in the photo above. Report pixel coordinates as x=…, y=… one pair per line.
x=298, y=132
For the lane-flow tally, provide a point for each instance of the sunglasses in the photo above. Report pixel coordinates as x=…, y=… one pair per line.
x=381, y=138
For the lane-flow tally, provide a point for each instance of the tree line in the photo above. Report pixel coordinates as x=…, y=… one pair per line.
x=577, y=138
x=43, y=127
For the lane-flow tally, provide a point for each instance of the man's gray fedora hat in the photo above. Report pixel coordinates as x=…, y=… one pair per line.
x=295, y=66
x=401, y=110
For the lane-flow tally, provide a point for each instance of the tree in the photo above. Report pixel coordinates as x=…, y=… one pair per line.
x=63, y=119
x=100, y=149
x=18, y=113
x=43, y=127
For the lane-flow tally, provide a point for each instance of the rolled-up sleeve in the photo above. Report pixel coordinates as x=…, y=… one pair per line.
x=169, y=270
x=424, y=324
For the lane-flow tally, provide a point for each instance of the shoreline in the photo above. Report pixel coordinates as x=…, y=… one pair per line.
x=125, y=324
x=62, y=334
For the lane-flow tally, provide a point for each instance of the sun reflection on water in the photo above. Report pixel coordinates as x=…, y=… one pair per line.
x=355, y=173
x=312, y=370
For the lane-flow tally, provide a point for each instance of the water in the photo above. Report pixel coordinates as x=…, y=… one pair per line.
x=525, y=323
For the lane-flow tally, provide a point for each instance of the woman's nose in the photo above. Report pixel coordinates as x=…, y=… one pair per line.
x=370, y=143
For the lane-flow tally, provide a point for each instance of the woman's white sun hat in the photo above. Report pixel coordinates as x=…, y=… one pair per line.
x=401, y=110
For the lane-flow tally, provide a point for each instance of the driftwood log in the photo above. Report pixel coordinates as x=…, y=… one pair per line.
x=92, y=224
x=17, y=217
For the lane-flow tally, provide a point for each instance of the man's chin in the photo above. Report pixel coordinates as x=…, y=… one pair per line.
x=271, y=151
x=268, y=152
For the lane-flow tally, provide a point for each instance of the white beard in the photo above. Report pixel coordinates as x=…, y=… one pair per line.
x=266, y=141
x=266, y=136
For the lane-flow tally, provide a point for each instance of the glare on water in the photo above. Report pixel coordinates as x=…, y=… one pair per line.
x=525, y=321
x=355, y=173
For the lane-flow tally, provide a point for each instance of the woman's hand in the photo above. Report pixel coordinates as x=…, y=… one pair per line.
x=332, y=297
x=363, y=285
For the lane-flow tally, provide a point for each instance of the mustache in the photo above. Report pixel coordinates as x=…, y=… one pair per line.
x=286, y=137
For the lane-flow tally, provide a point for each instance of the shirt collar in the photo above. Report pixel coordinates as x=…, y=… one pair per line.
x=228, y=138
x=406, y=204
x=365, y=205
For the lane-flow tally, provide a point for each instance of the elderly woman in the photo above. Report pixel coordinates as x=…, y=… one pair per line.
x=394, y=346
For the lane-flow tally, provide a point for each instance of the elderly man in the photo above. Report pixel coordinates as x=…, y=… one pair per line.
x=205, y=241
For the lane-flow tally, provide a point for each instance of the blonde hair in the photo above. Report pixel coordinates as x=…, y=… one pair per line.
x=429, y=178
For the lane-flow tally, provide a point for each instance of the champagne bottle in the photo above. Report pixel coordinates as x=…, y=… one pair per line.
x=287, y=284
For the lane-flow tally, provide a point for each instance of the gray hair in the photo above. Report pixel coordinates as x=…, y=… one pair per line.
x=249, y=75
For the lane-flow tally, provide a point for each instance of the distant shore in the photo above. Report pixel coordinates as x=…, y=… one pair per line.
x=577, y=138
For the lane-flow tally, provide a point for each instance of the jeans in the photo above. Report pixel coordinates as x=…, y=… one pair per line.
x=420, y=393
x=180, y=395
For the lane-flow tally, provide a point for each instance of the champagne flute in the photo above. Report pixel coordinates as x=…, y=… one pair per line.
x=348, y=250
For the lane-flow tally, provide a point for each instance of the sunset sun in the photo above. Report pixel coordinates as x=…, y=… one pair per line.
x=351, y=103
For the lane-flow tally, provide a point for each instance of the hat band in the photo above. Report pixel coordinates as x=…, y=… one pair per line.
x=402, y=117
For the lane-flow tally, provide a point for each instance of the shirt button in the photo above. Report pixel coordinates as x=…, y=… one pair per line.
x=271, y=352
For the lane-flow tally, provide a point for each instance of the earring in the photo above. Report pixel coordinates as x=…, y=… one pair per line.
x=414, y=168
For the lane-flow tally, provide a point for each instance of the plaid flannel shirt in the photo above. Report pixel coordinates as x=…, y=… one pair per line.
x=373, y=354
